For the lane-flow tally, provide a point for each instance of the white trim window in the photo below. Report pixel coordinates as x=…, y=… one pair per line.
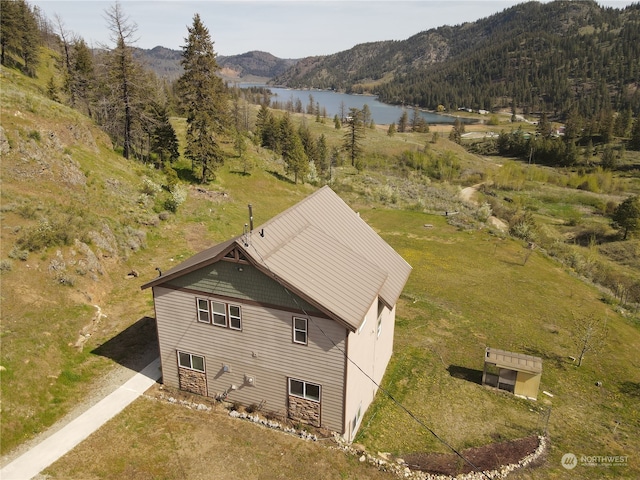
x=235, y=317
x=306, y=390
x=191, y=361
x=204, y=315
x=300, y=330
x=219, y=311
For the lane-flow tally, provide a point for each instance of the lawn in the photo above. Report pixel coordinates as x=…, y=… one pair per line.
x=467, y=290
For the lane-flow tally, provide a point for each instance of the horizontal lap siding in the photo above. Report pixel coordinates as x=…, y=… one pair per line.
x=263, y=350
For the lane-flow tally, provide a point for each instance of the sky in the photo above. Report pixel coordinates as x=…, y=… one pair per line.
x=286, y=29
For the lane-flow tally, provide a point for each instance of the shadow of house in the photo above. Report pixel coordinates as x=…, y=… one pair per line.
x=464, y=373
x=133, y=348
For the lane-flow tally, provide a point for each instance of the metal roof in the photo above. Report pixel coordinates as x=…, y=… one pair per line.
x=321, y=250
x=513, y=361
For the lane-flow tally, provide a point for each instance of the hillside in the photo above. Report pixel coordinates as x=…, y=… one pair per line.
x=83, y=228
x=247, y=66
x=542, y=56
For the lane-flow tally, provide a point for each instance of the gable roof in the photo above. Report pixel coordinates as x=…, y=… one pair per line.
x=322, y=251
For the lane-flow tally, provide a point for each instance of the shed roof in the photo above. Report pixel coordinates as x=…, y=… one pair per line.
x=513, y=361
x=323, y=251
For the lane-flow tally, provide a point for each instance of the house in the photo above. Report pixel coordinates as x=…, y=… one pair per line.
x=514, y=372
x=296, y=316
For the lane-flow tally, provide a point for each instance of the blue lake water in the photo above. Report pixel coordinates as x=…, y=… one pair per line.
x=381, y=113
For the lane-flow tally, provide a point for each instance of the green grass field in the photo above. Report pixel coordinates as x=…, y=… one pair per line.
x=471, y=287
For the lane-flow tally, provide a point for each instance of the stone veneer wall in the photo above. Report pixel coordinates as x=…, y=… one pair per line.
x=303, y=410
x=191, y=381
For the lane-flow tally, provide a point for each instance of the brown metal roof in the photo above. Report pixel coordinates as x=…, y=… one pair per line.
x=324, y=252
x=513, y=361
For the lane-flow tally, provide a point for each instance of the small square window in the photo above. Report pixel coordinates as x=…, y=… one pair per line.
x=235, y=317
x=219, y=314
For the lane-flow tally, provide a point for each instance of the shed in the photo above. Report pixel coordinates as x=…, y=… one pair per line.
x=514, y=372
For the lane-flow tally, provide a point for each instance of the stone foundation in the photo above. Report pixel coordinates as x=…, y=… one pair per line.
x=191, y=381
x=305, y=411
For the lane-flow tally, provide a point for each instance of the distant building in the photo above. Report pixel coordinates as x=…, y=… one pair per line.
x=296, y=316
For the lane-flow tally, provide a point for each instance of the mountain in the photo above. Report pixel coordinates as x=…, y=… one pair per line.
x=247, y=66
x=547, y=56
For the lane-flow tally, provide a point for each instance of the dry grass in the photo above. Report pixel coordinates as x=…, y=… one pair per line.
x=155, y=439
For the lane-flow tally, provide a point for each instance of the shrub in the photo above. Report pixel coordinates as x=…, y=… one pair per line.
x=177, y=198
x=149, y=187
x=45, y=234
x=6, y=265
x=34, y=135
x=18, y=254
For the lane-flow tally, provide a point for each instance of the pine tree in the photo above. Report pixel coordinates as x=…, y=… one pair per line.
x=164, y=141
x=205, y=101
x=403, y=121
x=627, y=216
x=82, y=79
x=352, y=139
x=293, y=154
x=123, y=69
x=19, y=34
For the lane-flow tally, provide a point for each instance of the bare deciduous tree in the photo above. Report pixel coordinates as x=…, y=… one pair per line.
x=588, y=334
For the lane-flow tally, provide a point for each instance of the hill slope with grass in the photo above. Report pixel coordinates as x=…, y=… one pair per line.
x=83, y=228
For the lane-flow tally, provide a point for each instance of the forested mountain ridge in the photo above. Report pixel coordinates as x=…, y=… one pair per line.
x=532, y=57
x=166, y=63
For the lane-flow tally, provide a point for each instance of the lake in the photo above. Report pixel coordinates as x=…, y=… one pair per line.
x=381, y=113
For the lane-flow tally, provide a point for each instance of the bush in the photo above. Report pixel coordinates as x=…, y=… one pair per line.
x=45, y=234
x=176, y=198
x=34, y=135
x=6, y=265
x=18, y=254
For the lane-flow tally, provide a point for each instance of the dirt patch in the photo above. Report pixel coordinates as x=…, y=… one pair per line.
x=485, y=458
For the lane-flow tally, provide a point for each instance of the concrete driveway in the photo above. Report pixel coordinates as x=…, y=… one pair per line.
x=32, y=462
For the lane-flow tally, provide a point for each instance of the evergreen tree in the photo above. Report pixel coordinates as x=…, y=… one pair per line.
x=9, y=29
x=609, y=160
x=391, y=131
x=456, y=131
x=205, y=102
x=293, y=154
x=627, y=216
x=403, y=121
x=164, y=141
x=322, y=153
x=82, y=79
x=123, y=69
x=19, y=34
x=352, y=139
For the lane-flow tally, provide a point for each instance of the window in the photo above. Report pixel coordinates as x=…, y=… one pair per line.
x=219, y=313
x=192, y=362
x=380, y=312
x=235, y=317
x=203, y=311
x=309, y=391
x=300, y=330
